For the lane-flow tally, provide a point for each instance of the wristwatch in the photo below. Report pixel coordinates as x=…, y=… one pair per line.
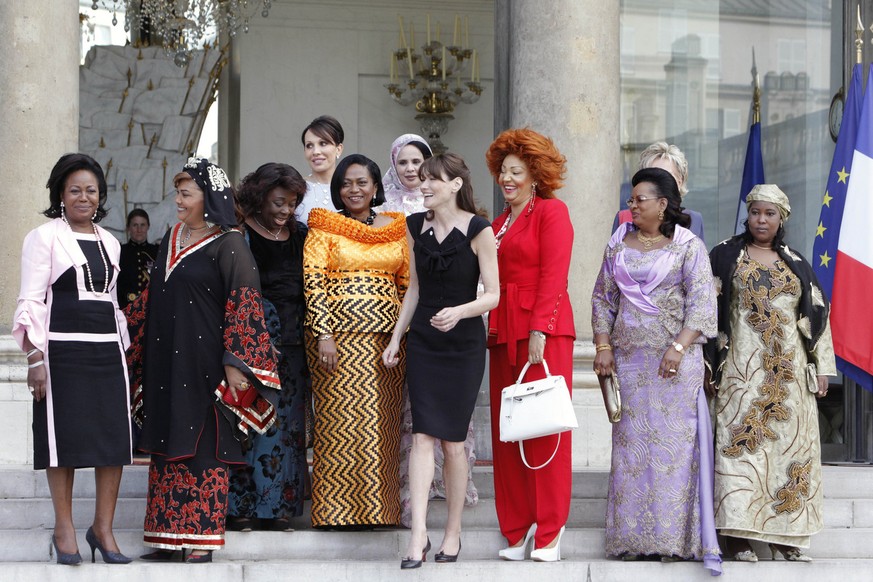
x=678, y=347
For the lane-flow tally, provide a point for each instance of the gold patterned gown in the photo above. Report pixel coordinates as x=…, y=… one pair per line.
x=354, y=280
x=768, y=483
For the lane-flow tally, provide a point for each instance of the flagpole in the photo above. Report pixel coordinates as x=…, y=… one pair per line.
x=859, y=41
x=756, y=92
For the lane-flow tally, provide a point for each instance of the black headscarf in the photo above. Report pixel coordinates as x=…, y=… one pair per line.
x=812, y=316
x=218, y=205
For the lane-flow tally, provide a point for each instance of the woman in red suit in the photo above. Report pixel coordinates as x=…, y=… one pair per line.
x=533, y=322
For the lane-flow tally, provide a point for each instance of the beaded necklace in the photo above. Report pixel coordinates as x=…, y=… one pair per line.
x=102, y=258
x=368, y=221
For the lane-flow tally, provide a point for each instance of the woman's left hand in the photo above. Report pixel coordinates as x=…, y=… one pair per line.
x=447, y=318
x=822, y=386
x=670, y=363
x=536, y=347
x=236, y=381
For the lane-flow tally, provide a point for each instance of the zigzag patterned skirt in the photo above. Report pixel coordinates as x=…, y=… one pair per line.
x=355, y=470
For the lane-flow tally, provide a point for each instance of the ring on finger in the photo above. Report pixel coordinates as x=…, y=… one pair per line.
x=672, y=370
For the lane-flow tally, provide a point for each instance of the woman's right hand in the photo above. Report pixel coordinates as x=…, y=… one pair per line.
x=604, y=363
x=391, y=355
x=327, y=356
x=36, y=381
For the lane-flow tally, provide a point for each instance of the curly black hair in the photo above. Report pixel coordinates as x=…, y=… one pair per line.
x=254, y=188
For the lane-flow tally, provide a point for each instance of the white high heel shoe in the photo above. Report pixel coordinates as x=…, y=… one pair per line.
x=552, y=554
x=516, y=553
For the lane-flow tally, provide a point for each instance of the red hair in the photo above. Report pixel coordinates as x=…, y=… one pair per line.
x=546, y=164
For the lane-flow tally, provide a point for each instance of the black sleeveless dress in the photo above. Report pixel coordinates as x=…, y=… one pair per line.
x=444, y=369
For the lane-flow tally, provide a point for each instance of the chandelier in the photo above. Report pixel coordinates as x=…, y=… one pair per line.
x=181, y=26
x=437, y=79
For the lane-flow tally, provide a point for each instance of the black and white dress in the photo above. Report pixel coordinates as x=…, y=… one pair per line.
x=84, y=420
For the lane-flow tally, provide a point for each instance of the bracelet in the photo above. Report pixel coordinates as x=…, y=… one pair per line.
x=36, y=364
x=31, y=352
x=603, y=347
x=678, y=347
x=537, y=333
x=325, y=336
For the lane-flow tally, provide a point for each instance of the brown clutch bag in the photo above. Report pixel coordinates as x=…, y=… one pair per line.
x=611, y=397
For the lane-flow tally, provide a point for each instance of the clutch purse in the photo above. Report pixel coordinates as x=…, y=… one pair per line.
x=244, y=398
x=534, y=409
x=811, y=378
x=611, y=397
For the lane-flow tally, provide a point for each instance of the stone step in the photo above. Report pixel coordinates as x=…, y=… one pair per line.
x=584, y=513
x=479, y=544
x=479, y=570
x=21, y=482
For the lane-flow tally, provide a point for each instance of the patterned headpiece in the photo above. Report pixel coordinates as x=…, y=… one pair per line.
x=218, y=207
x=772, y=194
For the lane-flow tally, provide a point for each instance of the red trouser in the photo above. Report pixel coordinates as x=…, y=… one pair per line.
x=524, y=496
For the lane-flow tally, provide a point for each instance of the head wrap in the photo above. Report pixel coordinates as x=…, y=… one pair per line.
x=218, y=206
x=772, y=194
x=398, y=196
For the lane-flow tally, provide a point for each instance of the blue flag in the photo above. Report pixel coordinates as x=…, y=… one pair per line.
x=827, y=236
x=753, y=173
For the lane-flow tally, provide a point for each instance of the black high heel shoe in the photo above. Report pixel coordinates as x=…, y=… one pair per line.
x=199, y=558
x=444, y=558
x=162, y=555
x=410, y=563
x=108, y=557
x=66, y=559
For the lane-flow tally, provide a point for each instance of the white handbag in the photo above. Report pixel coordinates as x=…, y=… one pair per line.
x=535, y=409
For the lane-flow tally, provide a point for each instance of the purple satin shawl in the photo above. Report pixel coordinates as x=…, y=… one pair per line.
x=638, y=293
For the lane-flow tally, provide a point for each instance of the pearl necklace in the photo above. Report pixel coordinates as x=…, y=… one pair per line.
x=368, y=221
x=275, y=236
x=105, y=266
x=647, y=241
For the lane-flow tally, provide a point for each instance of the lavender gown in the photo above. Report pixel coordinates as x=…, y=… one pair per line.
x=660, y=486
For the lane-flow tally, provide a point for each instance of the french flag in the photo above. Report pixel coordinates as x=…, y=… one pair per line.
x=851, y=309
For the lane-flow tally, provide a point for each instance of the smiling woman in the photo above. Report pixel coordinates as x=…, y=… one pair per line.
x=322, y=147
x=69, y=324
x=356, y=269
x=204, y=371
x=269, y=488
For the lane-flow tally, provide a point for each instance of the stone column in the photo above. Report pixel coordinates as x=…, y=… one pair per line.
x=564, y=71
x=557, y=72
x=39, y=117
x=39, y=121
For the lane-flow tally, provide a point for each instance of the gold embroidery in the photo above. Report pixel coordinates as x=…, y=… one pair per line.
x=793, y=495
x=754, y=426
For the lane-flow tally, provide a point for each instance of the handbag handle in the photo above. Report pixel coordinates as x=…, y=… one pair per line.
x=527, y=365
x=524, y=459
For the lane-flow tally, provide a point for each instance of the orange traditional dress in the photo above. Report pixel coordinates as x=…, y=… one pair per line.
x=354, y=280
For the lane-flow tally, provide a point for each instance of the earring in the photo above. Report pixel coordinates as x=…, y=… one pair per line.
x=93, y=216
x=660, y=215
x=63, y=214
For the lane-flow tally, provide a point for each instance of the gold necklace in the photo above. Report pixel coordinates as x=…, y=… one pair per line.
x=760, y=247
x=648, y=241
x=275, y=236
